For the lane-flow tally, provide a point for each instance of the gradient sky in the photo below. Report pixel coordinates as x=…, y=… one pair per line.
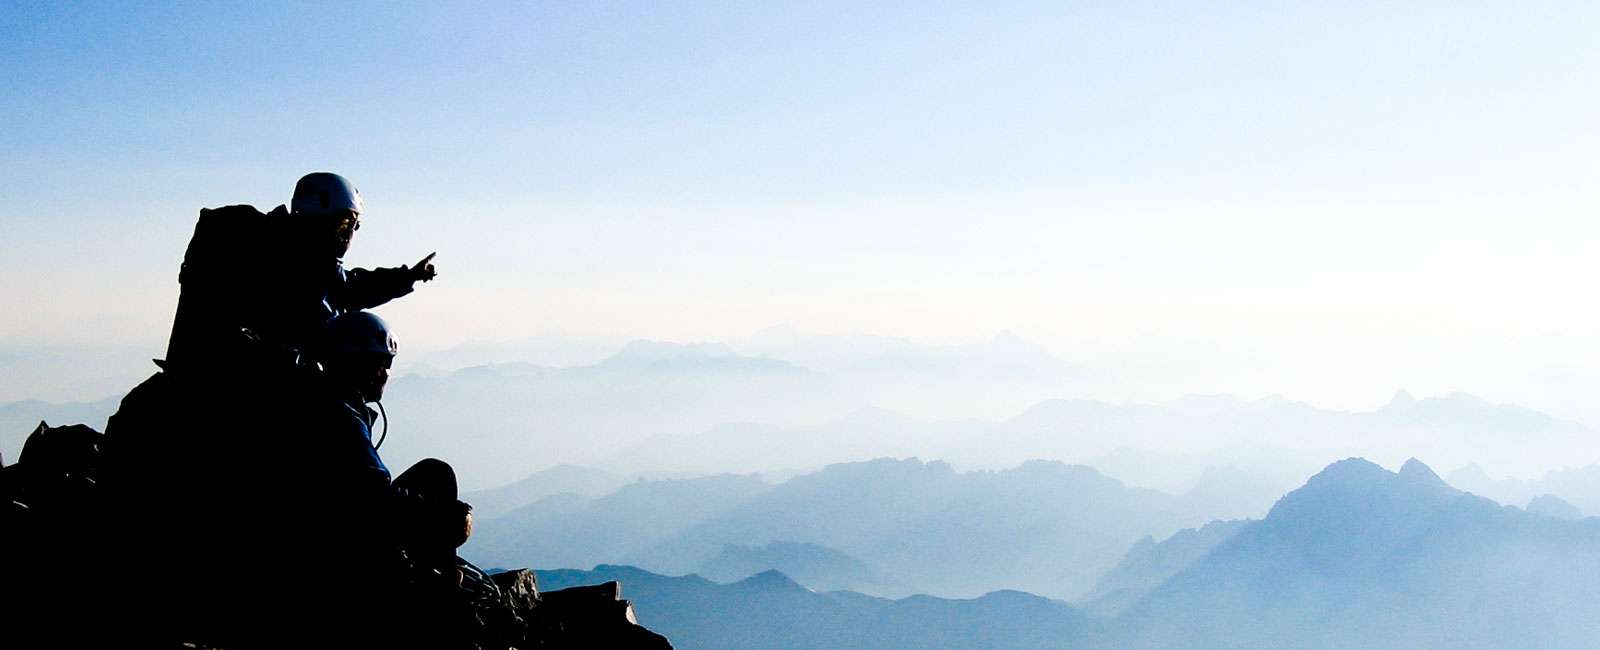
x=1327, y=200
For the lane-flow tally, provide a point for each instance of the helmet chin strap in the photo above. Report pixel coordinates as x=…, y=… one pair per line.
x=385, y=433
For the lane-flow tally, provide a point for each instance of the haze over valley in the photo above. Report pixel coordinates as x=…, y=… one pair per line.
x=667, y=409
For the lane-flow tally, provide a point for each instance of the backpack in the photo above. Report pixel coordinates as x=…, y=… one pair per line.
x=224, y=272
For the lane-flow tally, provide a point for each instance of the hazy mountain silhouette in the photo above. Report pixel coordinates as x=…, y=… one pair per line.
x=1043, y=527
x=818, y=567
x=1579, y=486
x=1458, y=429
x=1564, y=391
x=569, y=530
x=1548, y=505
x=497, y=422
x=770, y=611
x=1149, y=445
x=1148, y=564
x=884, y=527
x=1210, y=405
x=864, y=434
x=561, y=479
x=1359, y=557
x=1224, y=493
x=1362, y=557
x=549, y=350
x=995, y=379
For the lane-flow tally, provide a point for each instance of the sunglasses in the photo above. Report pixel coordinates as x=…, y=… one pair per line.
x=349, y=224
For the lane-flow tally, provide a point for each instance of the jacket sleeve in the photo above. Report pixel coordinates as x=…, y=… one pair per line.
x=352, y=466
x=360, y=485
x=367, y=288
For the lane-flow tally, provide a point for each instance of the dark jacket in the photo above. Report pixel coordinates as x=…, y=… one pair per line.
x=345, y=477
x=341, y=472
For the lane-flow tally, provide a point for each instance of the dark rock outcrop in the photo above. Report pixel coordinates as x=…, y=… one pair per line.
x=589, y=616
x=52, y=543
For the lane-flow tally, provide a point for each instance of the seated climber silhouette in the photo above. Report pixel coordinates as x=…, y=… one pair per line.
x=279, y=473
x=356, y=352
x=404, y=531
x=250, y=277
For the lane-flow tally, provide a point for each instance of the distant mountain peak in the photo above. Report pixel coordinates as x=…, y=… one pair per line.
x=1348, y=471
x=1007, y=336
x=1043, y=464
x=1358, y=485
x=1401, y=399
x=1413, y=471
x=1472, y=472
x=890, y=466
x=771, y=579
x=1352, y=472
x=1550, y=505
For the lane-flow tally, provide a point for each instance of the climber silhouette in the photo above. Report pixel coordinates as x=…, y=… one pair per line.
x=276, y=278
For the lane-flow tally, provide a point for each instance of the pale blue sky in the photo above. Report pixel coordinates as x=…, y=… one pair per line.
x=1385, y=194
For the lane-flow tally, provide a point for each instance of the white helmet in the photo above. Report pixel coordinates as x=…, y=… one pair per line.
x=323, y=194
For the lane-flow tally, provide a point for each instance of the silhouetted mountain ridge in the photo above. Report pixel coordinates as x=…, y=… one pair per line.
x=1358, y=557
x=1362, y=557
x=818, y=567
x=770, y=611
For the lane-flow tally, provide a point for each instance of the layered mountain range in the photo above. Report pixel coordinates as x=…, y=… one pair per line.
x=1359, y=557
x=888, y=527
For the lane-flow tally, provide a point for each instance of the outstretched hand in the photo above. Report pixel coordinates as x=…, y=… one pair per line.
x=424, y=269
